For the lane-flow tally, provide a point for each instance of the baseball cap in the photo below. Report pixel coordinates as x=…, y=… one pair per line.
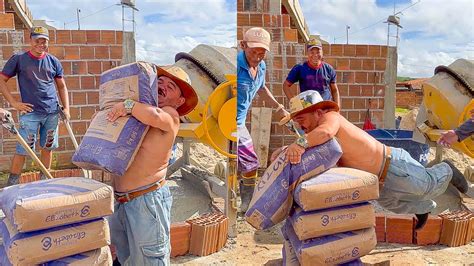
x=312, y=43
x=39, y=32
x=257, y=37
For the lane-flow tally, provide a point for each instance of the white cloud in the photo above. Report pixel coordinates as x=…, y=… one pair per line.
x=163, y=27
x=444, y=29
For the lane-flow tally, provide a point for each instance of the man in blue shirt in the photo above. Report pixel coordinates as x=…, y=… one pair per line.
x=250, y=81
x=314, y=74
x=38, y=74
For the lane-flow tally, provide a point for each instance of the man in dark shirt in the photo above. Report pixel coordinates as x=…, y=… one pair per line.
x=39, y=74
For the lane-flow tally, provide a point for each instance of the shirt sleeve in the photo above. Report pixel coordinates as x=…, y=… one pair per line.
x=11, y=67
x=465, y=130
x=59, y=69
x=294, y=74
x=332, y=74
x=264, y=69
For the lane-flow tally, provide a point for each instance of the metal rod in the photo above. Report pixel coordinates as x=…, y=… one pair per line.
x=78, y=19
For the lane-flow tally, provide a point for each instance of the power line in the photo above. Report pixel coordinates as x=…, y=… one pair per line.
x=101, y=10
x=382, y=20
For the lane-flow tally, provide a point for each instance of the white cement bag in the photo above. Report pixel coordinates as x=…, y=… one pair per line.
x=98, y=257
x=54, y=243
x=110, y=146
x=337, y=187
x=333, y=220
x=332, y=249
x=136, y=81
x=59, y=201
x=273, y=195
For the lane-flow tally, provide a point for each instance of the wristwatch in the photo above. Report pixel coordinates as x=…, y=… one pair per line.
x=301, y=141
x=129, y=103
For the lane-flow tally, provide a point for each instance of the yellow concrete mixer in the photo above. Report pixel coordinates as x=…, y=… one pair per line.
x=213, y=122
x=447, y=100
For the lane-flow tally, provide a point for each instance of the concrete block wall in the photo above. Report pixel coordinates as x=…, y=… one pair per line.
x=84, y=55
x=360, y=68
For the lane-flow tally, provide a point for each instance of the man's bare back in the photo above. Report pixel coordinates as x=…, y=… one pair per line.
x=360, y=150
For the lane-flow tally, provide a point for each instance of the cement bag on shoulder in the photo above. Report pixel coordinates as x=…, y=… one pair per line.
x=333, y=220
x=136, y=81
x=273, y=195
x=337, y=187
x=99, y=257
x=54, y=202
x=110, y=146
x=54, y=243
x=332, y=249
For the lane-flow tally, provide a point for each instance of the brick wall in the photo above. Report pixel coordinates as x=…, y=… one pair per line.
x=360, y=68
x=84, y=55
x=409, y=98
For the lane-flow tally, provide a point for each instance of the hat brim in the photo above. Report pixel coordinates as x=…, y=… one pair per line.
x=187, y=92
x=37, y=36
x=314, y=46
x=330, y=105
x=257, y=44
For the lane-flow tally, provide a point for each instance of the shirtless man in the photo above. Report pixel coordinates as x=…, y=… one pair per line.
x=408, y=187
x=140, y=225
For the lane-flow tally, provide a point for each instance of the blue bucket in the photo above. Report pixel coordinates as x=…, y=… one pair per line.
x=403, y=139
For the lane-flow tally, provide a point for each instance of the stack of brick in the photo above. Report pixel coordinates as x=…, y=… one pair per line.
x=333, y=222
x=452, y=229
x=458, y=228
x=53, y=219
x=97, y=175
x=208, y=233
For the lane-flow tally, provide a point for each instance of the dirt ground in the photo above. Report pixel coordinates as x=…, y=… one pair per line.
x=252, y=247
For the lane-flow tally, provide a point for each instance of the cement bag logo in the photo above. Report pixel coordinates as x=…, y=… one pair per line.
x=355, y=252
x=86, y=210
x=325, y=220
x=46, y=243
x=355, y=195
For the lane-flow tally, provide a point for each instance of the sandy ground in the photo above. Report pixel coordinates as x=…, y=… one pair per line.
x=252, y=247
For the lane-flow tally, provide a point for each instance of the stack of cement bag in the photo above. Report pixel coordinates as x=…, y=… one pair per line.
x=108, y=146
x=54, y=221
x=332, y=221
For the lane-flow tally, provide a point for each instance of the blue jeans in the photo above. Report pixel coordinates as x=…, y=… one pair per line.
x=410, y=187
x=140, y=229
x=47, y=124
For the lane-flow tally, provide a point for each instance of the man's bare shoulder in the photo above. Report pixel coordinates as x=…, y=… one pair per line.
x=332, y=115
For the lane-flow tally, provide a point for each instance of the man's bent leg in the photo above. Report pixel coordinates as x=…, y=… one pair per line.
x=15, y=172
x=247, y=186
x=247, y=167
x=48, y=139
x=148, y=220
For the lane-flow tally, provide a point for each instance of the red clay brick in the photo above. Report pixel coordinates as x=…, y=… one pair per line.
x=7, y=51
x=63, y=36
x=291, y=35
x=72, y=83
x=361, y=77
x=79, y=98
x=116, y=52
x=88, y=82
x=180, y=234
x=107, y=37
x=380, y=64
x=93, y=97
x=362, y=50
x=102, y=52
x=71, y=53
x=399, y=229
x=380, y=227
x=57, y=51
x=374, y=51
x=93, y=36
x=343, y=64
x=243, y=19
x=337, y=50
x=79, y=68
x=354, y=90
x=256, y=20
x=368, y=64
x=78, y=36
x=356, y=64
x=118, y=37
x=94, y=67
x=430, y=233
x=349, y=50
x=67, y=68
x=87, y=52
x=7, y=21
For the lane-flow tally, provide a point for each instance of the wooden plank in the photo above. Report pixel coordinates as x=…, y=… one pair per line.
x=260, y=132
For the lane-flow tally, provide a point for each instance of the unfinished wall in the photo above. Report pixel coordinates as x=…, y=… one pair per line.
x=409, y=98
x=84, y=55
x=360, y=68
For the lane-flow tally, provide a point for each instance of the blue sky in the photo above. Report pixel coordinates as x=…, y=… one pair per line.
x=435, y=32
x=164, y=27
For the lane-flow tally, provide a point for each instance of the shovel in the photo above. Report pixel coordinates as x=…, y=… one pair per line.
x=8, y=122
x=63, y=116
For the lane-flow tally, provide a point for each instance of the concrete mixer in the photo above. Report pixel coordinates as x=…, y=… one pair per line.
x=213, y=122
x=447, y=100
